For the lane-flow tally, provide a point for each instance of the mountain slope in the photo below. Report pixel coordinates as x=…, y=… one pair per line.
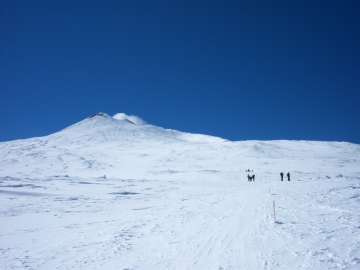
x=102, y=145
x=106, y=193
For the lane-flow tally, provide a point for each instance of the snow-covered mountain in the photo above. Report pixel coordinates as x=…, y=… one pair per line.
x=111, y=193
x=97, y=145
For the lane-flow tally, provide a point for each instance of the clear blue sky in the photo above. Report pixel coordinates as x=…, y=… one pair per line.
x=241, y=70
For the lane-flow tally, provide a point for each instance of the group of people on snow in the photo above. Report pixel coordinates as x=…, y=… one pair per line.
x=282, y=176
x=252, y=177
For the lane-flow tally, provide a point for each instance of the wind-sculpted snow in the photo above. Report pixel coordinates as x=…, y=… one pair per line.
x=105, y=193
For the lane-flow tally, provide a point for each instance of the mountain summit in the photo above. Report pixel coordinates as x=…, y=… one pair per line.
x=101, y=127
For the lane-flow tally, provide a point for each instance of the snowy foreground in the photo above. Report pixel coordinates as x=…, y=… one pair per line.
x=109, y=194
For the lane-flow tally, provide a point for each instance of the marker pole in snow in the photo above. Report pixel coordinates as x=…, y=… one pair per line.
x=274, y=211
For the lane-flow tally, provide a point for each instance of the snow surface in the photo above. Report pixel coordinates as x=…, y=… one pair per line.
x=106, y=193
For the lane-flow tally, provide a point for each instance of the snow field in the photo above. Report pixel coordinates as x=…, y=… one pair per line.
x=150, y=224
x=107, y=194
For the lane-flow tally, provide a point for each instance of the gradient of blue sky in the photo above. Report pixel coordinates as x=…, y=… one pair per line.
x=240, y=70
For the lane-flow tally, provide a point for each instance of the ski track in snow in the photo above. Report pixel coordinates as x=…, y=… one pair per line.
x=104, y=195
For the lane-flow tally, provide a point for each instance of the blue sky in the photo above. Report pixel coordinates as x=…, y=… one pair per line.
x=240, y=70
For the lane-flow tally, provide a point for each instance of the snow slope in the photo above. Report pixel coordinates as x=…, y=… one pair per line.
x=106, y=193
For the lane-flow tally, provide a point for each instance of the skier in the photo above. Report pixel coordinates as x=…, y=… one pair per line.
x=282, y=176
x=288, y=176
x=253, y=177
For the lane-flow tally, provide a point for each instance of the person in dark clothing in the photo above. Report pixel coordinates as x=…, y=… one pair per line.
x=253, y=177
x=288, y=176
x=282, y=176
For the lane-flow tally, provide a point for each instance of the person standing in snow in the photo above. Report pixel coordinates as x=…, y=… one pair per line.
x=288, y=176
x=282, y=176
x=253, y=177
